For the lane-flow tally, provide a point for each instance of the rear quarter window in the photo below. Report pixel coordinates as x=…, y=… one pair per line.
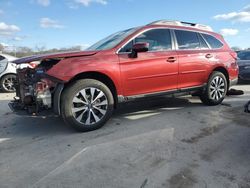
x=212, y=41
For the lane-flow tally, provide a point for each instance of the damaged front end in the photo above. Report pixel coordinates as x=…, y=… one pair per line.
x=35, y=90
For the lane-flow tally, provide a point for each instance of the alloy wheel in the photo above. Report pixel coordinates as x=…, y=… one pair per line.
x=217, y=88
x=9, y=83
x=89, y=106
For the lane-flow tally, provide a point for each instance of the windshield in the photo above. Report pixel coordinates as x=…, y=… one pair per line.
x=244, y=55
x=112, y=40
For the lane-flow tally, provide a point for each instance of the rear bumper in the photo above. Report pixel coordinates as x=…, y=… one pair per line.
x=233, y=82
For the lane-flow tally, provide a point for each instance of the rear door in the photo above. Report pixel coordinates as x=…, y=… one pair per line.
x=193, y=59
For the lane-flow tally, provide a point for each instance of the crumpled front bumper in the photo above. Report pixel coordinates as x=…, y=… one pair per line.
x=20, y=108
x=15, y=105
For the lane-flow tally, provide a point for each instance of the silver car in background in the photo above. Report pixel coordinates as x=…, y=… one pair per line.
x=244, y=65
x=7, y=73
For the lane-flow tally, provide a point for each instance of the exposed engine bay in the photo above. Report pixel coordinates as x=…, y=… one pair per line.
x=34, y=88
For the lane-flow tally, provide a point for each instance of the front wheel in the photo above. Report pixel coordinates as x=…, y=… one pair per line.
x=87, y=104
x=216, y=89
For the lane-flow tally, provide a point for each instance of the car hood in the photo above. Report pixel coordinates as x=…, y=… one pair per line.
x=54, y=55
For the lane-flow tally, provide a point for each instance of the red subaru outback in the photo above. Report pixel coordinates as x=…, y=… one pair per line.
x=164, y=57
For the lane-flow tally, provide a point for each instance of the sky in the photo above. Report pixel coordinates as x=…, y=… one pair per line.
x=66, y=23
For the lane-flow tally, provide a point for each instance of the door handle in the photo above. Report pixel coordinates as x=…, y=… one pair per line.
x=208, y=56
x=171, y=59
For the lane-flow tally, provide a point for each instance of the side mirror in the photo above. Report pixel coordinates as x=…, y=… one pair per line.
x=139, y=47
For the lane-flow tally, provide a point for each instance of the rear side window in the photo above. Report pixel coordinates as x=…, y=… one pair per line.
x=212, y=41
x=187, y=40
x=1, y=58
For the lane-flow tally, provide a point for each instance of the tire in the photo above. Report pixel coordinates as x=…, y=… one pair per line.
x=7, y=83
x=215, y=90
x=87, y=105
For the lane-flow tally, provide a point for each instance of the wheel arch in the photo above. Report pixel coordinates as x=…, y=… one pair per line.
x=100, y=77
x=224, y=71
x=7, y=73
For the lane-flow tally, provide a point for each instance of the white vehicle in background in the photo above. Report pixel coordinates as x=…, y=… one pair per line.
x=7, y=73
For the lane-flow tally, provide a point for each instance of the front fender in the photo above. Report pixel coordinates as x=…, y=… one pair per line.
x=67, y=69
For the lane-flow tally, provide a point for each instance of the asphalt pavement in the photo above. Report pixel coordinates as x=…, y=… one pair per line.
x=159, y=142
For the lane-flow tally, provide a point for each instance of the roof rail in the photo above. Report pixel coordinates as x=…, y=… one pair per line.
x=180, y=23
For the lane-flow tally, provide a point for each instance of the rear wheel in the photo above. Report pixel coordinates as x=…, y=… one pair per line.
x=216, y=89
x=87, y=104
x=7, y=83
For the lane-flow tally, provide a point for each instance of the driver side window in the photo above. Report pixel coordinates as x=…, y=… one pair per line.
x=158, y=39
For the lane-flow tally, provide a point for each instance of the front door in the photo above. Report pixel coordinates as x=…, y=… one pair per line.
x=152, y=71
